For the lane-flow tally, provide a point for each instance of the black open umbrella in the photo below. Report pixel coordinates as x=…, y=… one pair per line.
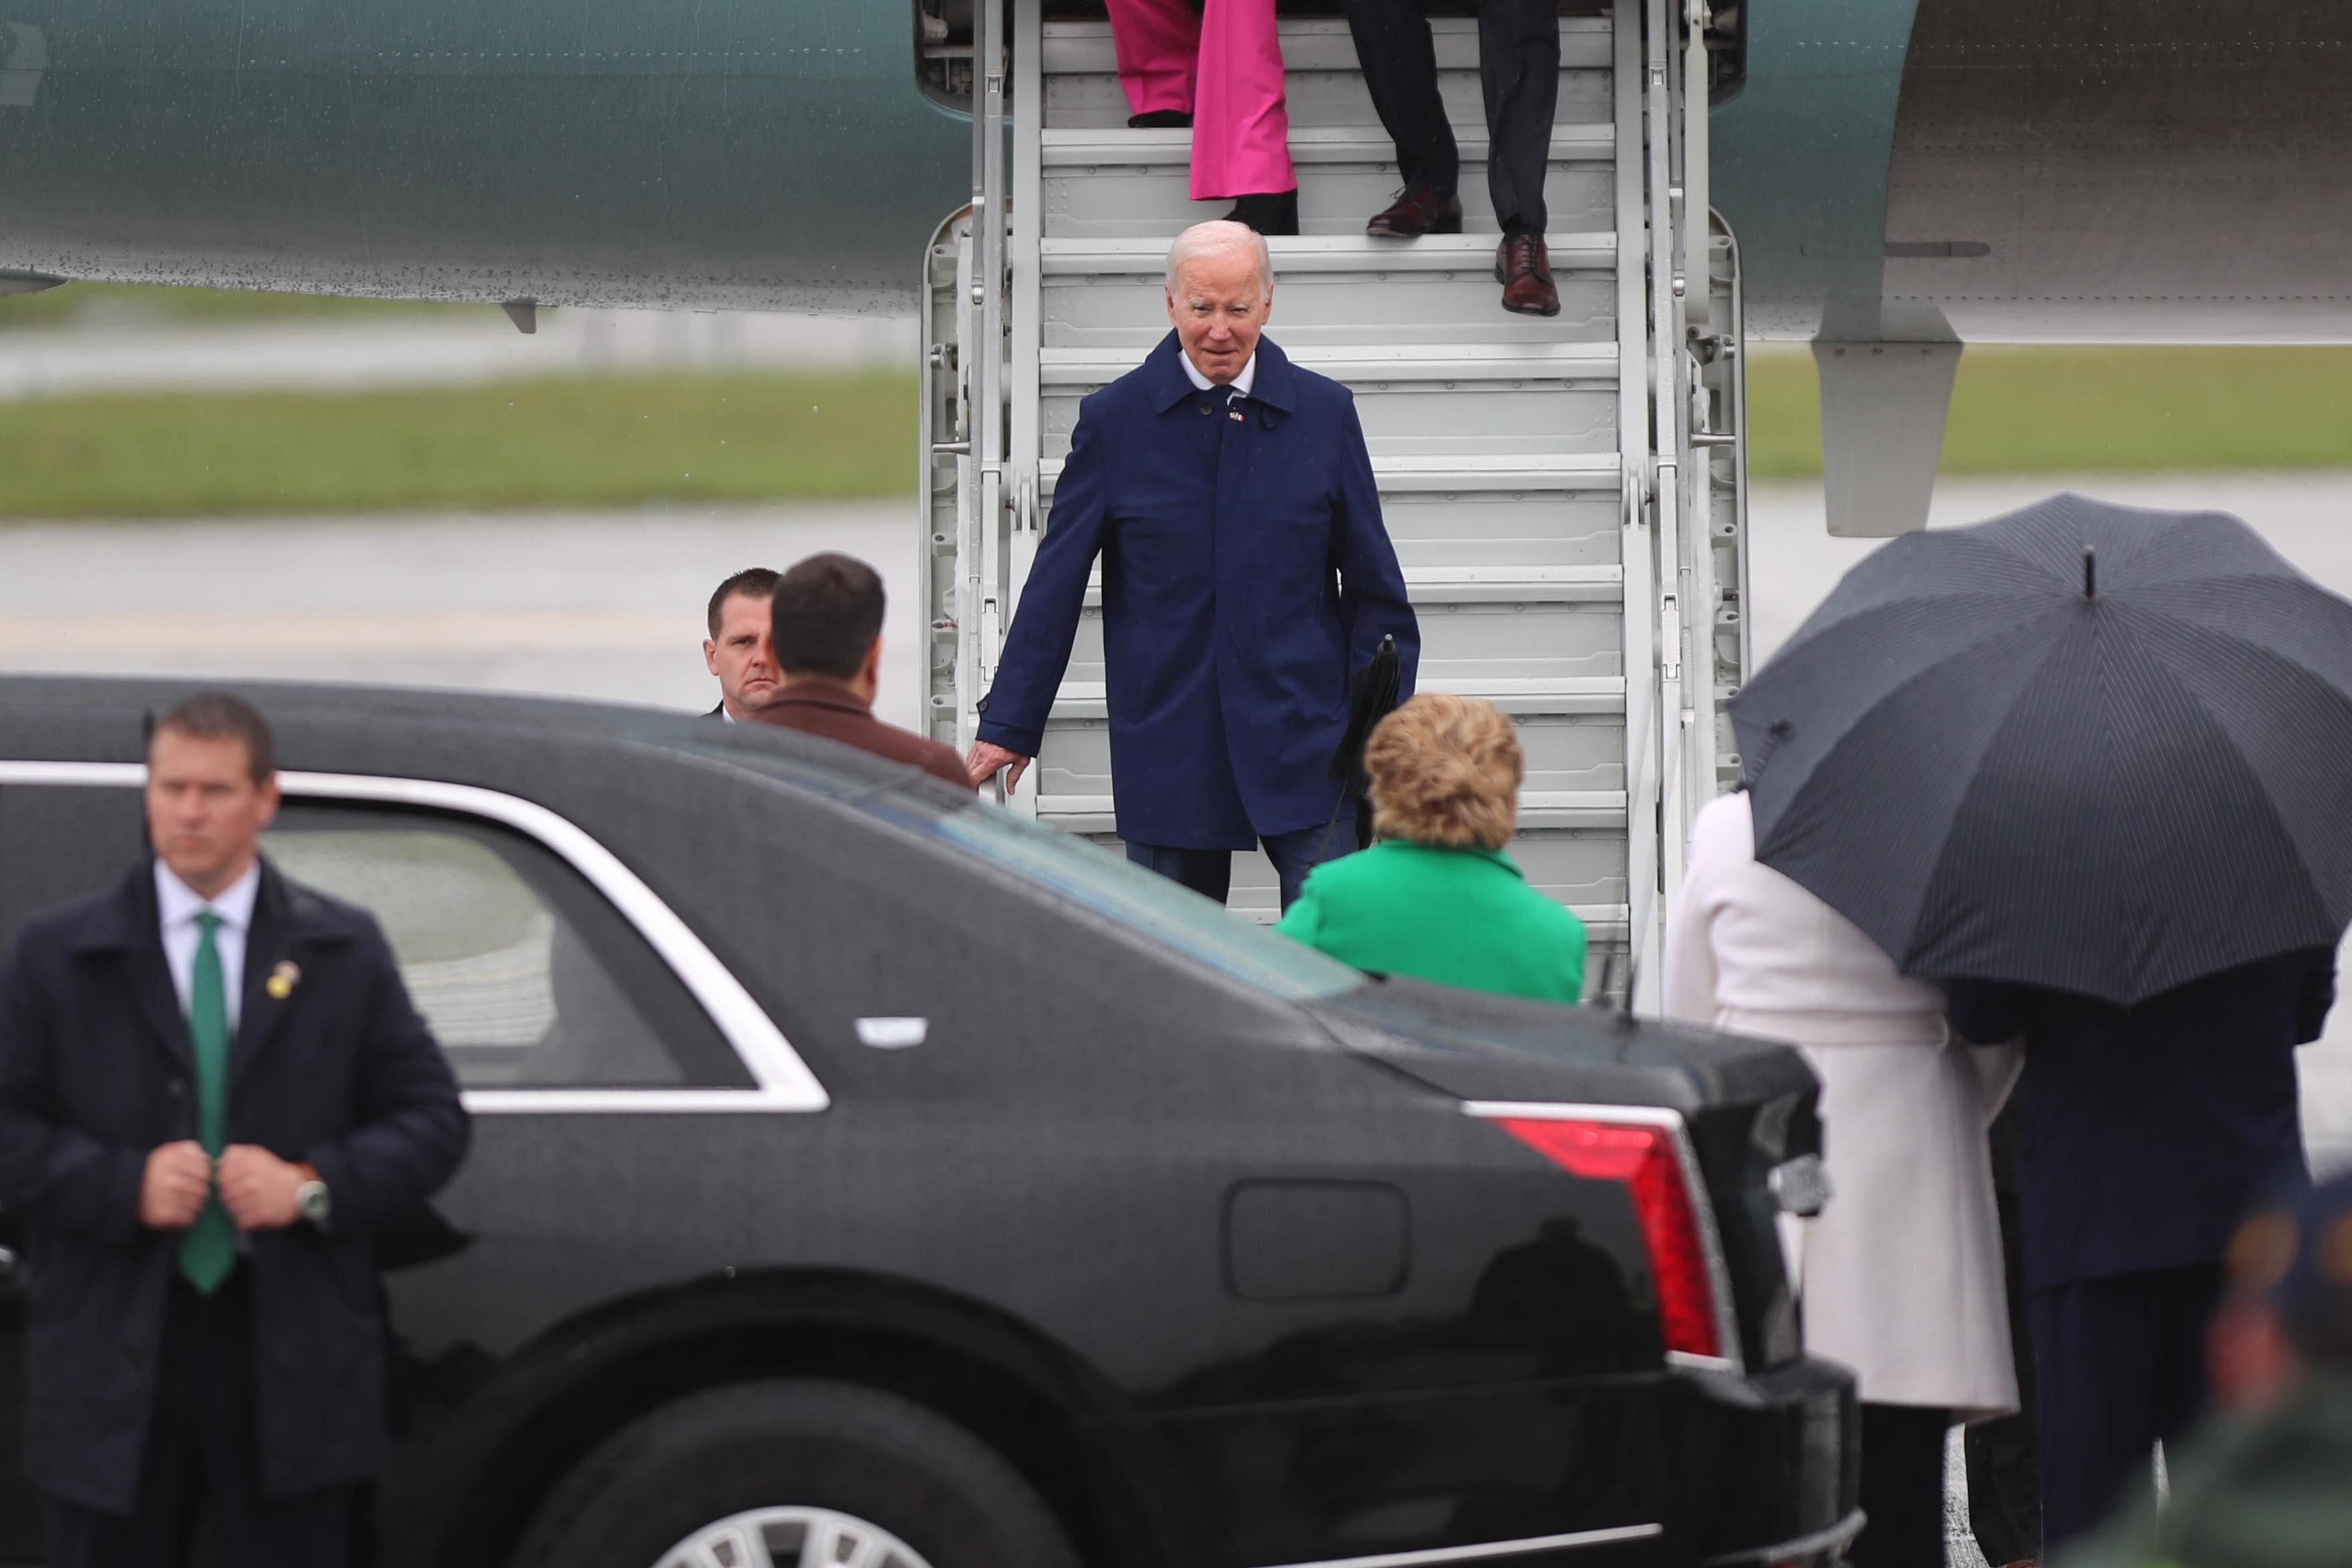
x=2083, y=745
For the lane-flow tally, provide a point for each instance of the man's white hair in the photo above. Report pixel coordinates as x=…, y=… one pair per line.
x=1220, y=237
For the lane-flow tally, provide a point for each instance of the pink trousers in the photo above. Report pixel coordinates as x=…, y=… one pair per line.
x=1223, y=67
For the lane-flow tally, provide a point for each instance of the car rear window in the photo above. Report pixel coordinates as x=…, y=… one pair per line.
x=1107, y=885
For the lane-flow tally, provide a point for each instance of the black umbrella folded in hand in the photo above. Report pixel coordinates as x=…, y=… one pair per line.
x=2085, y=746
x=1371, y=697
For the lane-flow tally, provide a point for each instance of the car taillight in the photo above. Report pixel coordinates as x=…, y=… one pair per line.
x=1644, y=1159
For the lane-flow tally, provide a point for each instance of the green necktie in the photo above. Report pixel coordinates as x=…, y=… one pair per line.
x=209, y=1249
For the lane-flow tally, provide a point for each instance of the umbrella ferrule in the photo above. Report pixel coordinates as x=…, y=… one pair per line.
x=2090, y=571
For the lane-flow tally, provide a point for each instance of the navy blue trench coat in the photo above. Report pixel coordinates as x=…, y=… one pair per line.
x=96, y=1070
x=1246, y=575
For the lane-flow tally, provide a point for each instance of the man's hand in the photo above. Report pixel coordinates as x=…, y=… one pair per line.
x=179, y=1179
x=987, y=757
x=258, y=1188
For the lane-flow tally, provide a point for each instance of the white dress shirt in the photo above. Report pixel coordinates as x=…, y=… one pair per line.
x=1241, y=384
x=177, y=906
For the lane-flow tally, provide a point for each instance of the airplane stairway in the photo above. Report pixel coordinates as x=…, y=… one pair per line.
x=1530, y=484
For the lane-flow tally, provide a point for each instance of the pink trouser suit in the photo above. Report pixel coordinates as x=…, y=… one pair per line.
x=1225, y=70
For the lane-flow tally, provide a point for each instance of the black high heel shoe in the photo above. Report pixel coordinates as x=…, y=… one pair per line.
x=1274, y=212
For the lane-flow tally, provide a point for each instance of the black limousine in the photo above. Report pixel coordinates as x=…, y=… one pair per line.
x=864, y=1175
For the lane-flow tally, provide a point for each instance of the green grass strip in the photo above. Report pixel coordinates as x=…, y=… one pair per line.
x=2092, y=410
x=587, y=442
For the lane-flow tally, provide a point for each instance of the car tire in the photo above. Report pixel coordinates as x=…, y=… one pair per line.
x=795, y=1447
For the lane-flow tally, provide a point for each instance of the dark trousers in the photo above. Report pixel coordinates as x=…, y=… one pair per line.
x=2004, y=1482
x=1518, y=69
x=204, y=1458
x=1209, y=872
x=1901, y=1487
x=2122, y=1366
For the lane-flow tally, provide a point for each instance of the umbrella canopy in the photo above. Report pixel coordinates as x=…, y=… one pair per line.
x=2085, y=746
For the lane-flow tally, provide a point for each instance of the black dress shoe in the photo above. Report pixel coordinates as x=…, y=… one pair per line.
x=1161, y=120
x=1275, y=213
x=1421, y=210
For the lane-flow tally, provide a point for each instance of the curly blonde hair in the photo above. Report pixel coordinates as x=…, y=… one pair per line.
x=1445, y=771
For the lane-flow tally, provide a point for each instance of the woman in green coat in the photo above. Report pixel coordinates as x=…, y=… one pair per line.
x=1435, y=898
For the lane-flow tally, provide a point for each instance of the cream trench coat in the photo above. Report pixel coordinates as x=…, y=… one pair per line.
x=1900, y=1275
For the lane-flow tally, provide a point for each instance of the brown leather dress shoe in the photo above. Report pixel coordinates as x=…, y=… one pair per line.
x=1523, y=268
x=1421, y=210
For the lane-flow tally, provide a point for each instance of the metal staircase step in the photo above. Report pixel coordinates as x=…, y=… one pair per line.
x=1495, y=398
x=1332, y=292
x=1106, y=152
x=1521, y=697
x=1485, y=585
x=1578, y=471
x=1564, y=472
x=1323, y=44
x=1356, y=364
x=1327, y=254
x=1138, y=183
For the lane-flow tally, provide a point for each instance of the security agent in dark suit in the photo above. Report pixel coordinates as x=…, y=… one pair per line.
x=212, y=1092
x=2148, y=1134
x=736, y=650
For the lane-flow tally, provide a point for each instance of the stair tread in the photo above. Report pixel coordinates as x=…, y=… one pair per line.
x=1082, y=47
x=1308, y=144
x=1396, y=361
x=1326, y=253
x=1534, y=468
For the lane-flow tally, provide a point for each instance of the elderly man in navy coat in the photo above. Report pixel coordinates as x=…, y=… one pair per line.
x=1246, y=576
x=213, y=1093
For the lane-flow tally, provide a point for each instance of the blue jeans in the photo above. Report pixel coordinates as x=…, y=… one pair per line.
x=1209, y=872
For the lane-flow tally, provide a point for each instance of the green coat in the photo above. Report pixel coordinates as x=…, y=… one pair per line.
x=1459, y=917
x=2267, y=1490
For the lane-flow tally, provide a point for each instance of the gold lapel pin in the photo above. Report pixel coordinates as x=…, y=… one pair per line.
x=282, y=979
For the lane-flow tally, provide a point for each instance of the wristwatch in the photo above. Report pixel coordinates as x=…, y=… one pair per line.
x=311, y=1201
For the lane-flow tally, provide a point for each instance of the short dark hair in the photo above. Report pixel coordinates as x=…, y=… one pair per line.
x=217, y=716
x=826, y=614
x=752, y=582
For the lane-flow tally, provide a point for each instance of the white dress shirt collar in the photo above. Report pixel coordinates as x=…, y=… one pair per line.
x=1241, y=384
x=177, y=906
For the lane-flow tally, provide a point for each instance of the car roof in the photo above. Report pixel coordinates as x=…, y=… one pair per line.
x=84, y=713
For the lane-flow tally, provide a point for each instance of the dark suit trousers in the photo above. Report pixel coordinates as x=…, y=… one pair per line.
x=1518, y=69
x=1901, y=1487
x=2121, y=1362
x=203, y=1460
x=2004, y=1479
x=1209, y=872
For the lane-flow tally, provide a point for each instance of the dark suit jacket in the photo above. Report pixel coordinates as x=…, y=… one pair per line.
x=96, y=1070
x=832, y=711
x=1246, y=575
x=2149, y=1133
